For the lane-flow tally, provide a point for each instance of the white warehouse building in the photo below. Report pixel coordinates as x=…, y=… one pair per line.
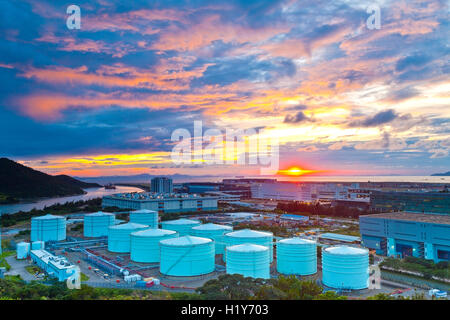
x=161, y=202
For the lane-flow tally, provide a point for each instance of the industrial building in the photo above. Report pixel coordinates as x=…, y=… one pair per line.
x=55, y=266
x=311, y=192
x=407, y=234
x=421, y=202
x=162, y=203
x=48, y=228
x=161, y=185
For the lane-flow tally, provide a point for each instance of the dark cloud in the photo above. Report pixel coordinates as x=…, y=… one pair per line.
x=380, y=118
x=296, y=118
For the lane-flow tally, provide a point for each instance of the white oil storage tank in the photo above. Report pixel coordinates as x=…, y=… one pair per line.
x=345, y=267
x=248, y=260
x=213, y=231
x=145, y=244
x=250, y=236
x=144, y=216
x=119, y=236
x=38, y=245
x=23, y=250
x=97, y=224
x=48, y=228
x=182, y=226
x=187, y=256
x=297, y=256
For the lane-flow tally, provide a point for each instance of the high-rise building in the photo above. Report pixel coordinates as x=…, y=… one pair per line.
x=161, y=185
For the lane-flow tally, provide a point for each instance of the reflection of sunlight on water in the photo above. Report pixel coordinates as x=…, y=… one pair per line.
x=92, y=193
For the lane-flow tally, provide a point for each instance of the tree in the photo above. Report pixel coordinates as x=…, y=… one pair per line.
x=230, y=287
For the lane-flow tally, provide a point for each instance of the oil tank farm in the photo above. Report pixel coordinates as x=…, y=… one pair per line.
x=48, y=228
x=249, y=260
x=145, y=244
x=144, y=216
x=297, y=256
x=97, y=224
x=187, y=256
x=182, y=226
x=119, y=236
x=345, y=267
x=250, y=236
x=213, y=231
x=23, y=250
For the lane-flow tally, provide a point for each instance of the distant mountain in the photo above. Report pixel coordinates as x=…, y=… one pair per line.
x=20, y=182
x=139, y=178
x=446, y=174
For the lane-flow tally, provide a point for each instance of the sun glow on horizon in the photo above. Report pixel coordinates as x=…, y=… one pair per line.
x=295, y=171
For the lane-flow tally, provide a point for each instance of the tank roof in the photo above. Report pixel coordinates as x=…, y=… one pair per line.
x=48, y=216
x=345, y=250
x=185, y=241
x=297, y=240
x=212, y=226
x=248, y=233
x=182, y=221
x=247, y=247
x=144, y=211
x=153, y=233
x=129, y=225
x=99, y=214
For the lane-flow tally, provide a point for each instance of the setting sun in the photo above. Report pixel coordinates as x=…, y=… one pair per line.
x=295, y=171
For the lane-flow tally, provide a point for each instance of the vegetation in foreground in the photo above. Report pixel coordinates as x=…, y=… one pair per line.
x=226, y=287
x=427, y=268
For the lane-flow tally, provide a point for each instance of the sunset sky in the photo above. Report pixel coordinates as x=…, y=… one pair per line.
x=341, y=99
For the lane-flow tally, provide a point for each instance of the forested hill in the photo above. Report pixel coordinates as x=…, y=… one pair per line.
x=20, y=182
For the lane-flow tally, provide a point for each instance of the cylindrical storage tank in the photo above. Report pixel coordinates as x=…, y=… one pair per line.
x=214, y=232
x=48, y=228
x=297, y=256
x=147, y=217
x=182, y=226
x=145, y=244
x=248, y=260
x=23, y=250
x=38, y=245
x=119, y=236
x=187, y=256
x=97, y=224
x=345, y=267
x=250, y=236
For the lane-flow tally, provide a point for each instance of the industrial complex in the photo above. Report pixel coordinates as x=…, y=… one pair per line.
x=407, y=234
x=161, y=202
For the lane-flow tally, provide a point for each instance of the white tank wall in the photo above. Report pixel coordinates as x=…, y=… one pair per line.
x=23, y=250
x=96, y=225
x=48, y=228
x=187, y=260
x=297, y=256
x=147, y=217
x=145, y=244
x=119, y=236
x=248, y=260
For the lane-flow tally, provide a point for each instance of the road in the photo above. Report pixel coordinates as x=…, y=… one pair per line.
x=18, y=268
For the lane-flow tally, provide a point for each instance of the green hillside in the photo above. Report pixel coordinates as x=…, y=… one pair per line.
x=19, y=182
